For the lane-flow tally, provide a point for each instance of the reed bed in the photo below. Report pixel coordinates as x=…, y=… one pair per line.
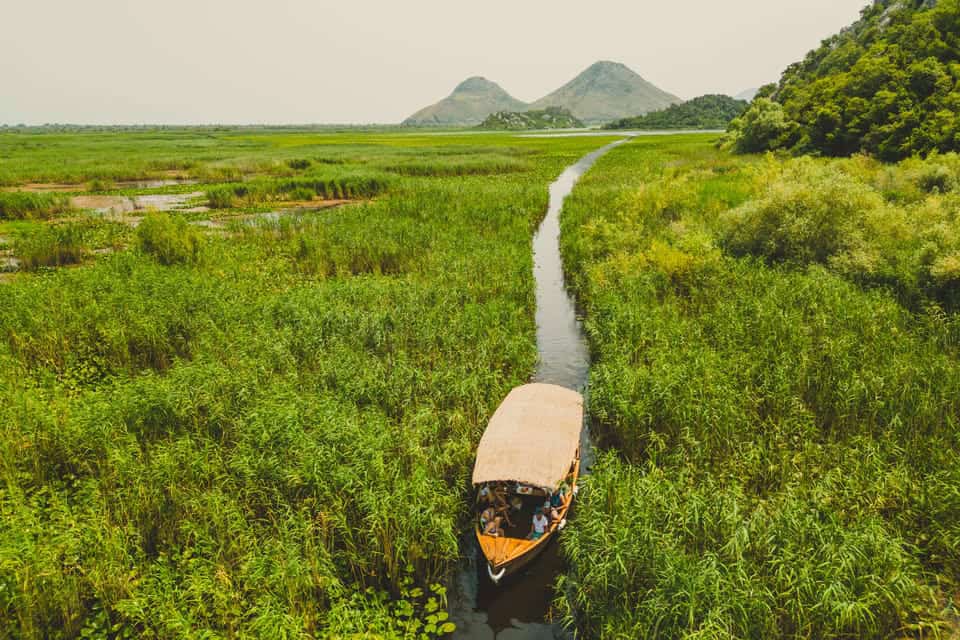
x=776, y=387
x=20, y=205
x=267, y=432
x=476, y=165
x=247, y=194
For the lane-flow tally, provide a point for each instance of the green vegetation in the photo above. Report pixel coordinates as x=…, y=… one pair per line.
x=169, y=239
x=52, y=246
x=22, y=205
x=705, y=112
x=549, y=118
x=776, y=387
x=483, y=165
x=101, y=185
x=247, y=194
x=889, y=86
x=264, y=429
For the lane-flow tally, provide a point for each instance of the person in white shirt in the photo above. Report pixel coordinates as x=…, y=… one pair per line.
x=540, y=524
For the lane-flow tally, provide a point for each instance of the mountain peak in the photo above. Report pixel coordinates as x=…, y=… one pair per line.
x=471, y=101
x=607, y=65
x=603, y=92
x=475, y=84
x=607, y=91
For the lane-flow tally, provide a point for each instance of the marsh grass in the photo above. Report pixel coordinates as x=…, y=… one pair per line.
x=22, y=205
x=101, y=185
x=299, y=164
x=169, y=239
x=267, y=433
x=259, y=191
x=52, y=246
x=775, y=379
x=482, y=165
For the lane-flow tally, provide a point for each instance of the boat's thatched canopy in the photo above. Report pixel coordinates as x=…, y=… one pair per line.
x=532, y=437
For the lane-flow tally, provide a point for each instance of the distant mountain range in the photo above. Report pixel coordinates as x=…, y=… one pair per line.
x=603, y=92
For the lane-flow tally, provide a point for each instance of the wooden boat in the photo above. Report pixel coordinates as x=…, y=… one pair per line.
x=529, y=451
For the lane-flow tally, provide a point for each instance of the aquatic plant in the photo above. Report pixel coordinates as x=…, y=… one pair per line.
x=266, y=433
x=349, y=185
x=169, y=239
x=51, y=246
x=776, y=384
x=22, y=205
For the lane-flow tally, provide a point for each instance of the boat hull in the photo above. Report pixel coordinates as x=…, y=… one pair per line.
x=511, y=567
x=506, y=556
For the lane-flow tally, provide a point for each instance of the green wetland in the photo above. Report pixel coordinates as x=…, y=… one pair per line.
x=254, y=414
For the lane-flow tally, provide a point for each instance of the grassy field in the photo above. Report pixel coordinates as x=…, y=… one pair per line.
x=263, y=427
x=255, y=415
x=776, y=390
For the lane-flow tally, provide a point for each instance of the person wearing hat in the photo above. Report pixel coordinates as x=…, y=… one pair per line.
x=540, y=524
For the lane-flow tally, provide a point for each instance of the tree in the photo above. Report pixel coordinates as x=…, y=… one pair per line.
x=763, y=127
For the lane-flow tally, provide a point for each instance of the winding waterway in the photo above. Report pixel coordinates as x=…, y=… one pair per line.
x=518, y=607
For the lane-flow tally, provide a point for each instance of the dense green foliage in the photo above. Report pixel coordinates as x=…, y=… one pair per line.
x=889, y=86
x=267, y=433
x=22, y=205
x=704, y=112
x=776, y=381
x=549, y=118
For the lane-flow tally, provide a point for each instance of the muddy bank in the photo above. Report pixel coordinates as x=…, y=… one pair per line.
x=80, y=187
x=125, y=204
x=9, y=264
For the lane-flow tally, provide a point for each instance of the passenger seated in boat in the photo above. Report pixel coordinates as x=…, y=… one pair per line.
x=540, y=524
x=493, y=527
x=552, y=506
x=495, y=496
x=487, y=515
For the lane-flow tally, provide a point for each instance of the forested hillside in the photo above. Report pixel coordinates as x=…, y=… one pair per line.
x=887, y=86
x=549, y=118
x=704, y=112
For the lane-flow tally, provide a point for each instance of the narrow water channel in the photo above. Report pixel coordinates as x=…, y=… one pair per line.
x=518, y=607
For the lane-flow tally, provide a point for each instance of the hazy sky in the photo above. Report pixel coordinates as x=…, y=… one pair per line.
x=300, y=61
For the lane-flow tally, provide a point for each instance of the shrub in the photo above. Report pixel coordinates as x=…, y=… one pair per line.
x=169, y=239
x=764, y=126
x=808, y=214
x=785, y=438
x=937, y=178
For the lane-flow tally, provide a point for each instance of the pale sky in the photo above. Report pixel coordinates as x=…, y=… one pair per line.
x=365, y=61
